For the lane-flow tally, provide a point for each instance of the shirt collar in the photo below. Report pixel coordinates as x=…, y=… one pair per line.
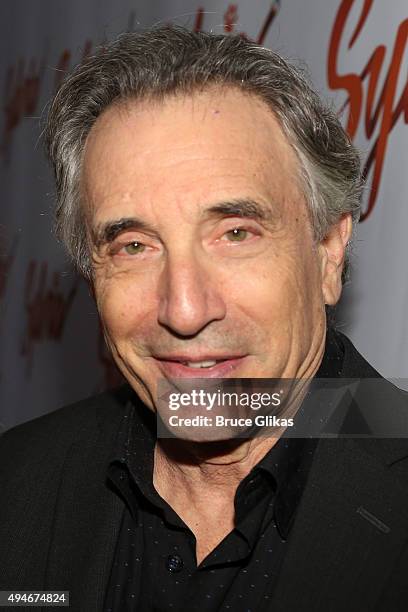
x=134, y=447
x=282, y=472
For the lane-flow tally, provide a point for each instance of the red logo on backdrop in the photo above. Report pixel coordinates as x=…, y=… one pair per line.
x=23, y=88
x=6, y=263
x=231, y=18
x=46, y=305
x=24, y=79
x=381, y=84
x=47, y=308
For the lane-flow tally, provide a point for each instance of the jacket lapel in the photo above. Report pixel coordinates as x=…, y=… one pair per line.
x=350, y=527
x=87, y=521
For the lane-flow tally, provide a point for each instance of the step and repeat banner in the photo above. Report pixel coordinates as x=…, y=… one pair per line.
x=51, y=349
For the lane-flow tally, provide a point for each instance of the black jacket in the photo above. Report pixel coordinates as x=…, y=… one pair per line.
x=59, y=520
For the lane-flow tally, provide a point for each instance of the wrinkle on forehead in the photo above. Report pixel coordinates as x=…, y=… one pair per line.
x=226, y=132
x=212, y=104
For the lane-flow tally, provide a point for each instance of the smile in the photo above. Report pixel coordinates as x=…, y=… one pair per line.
x=200, y=364
x=184, y=367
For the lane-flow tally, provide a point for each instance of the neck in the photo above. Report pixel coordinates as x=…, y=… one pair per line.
x=199, y=481
x=186, y=468
x=196, y=467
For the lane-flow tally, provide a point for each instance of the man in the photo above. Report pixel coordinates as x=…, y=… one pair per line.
x=208, y=196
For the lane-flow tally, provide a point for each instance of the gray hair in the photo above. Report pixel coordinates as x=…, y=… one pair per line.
x=169, y=60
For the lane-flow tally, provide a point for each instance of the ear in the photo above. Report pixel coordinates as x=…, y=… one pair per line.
x=332, y=251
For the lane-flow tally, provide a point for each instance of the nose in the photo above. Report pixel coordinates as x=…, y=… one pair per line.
x=189, y=296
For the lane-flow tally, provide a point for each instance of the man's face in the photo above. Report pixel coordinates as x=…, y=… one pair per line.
x=202, y=247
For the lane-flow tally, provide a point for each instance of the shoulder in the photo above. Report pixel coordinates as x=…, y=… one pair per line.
x=50, y=468
x=376, y=387
x=379, y=409
x=354, y=364
x=48, y=437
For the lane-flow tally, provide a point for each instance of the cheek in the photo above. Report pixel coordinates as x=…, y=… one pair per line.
x=262, y=288
x=123, y=307
x=277, y=290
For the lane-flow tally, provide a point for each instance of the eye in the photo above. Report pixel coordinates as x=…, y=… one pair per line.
x=134, y=248
x=237, y=235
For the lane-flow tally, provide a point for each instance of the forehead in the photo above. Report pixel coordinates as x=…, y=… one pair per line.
x=205, y=146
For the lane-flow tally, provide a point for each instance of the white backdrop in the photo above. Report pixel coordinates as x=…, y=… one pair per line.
x=51, y=352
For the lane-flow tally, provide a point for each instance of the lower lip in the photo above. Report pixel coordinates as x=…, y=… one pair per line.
x=175, y=369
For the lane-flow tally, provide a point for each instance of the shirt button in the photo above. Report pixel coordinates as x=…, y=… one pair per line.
x=174, y=563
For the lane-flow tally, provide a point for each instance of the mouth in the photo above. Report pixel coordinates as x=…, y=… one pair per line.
x=182, y=366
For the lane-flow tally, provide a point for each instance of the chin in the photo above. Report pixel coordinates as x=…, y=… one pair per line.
x=204, y=434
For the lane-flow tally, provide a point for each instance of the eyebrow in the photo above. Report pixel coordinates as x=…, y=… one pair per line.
x=106, y=233
x=245, y=208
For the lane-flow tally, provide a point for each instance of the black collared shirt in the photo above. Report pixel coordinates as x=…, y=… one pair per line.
x=155, y=565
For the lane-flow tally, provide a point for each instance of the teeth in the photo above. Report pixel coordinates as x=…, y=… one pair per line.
x=200, y=364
